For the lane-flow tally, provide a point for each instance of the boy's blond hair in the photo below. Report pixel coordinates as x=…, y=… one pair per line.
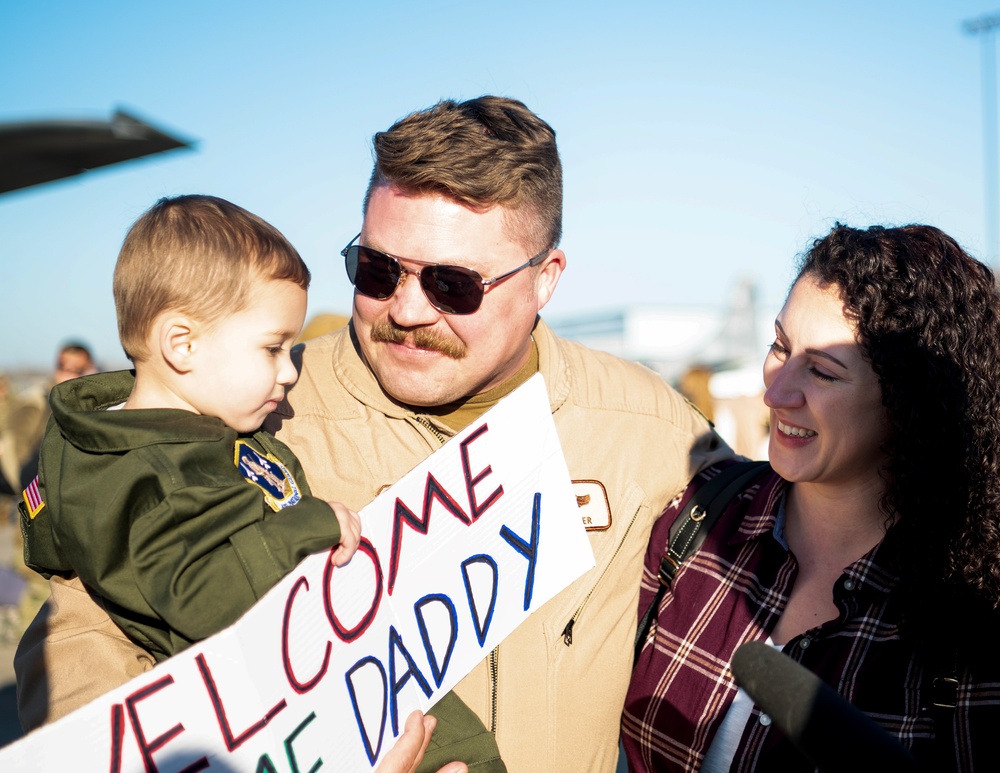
x=196, y=255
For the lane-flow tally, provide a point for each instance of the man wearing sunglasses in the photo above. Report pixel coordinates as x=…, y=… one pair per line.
x=456, y=256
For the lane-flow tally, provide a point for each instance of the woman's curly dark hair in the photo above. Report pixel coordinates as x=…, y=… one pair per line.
x=928, y=320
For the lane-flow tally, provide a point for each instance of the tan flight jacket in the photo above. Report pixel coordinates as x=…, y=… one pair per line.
x=553, y=691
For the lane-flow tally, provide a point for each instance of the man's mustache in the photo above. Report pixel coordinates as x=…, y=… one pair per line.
x=388, y=332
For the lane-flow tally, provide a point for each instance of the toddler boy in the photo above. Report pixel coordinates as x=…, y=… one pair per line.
x=159, y=489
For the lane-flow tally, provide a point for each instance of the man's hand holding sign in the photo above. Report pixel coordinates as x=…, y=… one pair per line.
x=329, y=664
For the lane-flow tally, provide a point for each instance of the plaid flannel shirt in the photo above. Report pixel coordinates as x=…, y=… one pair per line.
x=733, y=590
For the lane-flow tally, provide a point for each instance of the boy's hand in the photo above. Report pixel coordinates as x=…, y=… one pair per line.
x=350, y=534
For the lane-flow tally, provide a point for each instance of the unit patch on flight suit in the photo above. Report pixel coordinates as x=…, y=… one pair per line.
x=269, y=475
x=592, y=500
x=33, y=499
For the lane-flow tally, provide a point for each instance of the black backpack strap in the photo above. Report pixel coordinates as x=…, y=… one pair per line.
x=941, y=682
x=693, y=523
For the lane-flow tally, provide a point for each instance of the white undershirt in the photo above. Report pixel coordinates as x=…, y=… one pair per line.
x=719, y=757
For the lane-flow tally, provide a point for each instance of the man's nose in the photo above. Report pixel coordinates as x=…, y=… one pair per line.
x=409, y=306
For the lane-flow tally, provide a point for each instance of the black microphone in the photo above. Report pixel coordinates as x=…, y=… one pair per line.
x=835, y=735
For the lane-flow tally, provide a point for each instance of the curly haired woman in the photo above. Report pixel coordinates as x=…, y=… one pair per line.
x=871, y=553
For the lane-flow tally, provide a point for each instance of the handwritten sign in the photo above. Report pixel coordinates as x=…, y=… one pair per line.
x=324, y=669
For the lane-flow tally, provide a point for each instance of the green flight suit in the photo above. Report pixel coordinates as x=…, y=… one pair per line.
x=151, y=510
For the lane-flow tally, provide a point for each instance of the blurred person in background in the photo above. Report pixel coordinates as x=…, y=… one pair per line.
x=24, y=414
x=73, y=360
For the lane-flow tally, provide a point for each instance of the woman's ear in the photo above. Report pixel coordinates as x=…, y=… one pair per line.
x=177, y=341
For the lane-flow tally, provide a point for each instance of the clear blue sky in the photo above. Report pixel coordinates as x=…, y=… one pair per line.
x=702, y=142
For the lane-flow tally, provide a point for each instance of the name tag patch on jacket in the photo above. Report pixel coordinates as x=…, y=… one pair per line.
x=33, y=499
x=592, y=500
x=267, y=474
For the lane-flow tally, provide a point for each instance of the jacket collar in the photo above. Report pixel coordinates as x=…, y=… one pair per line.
x=80, y=406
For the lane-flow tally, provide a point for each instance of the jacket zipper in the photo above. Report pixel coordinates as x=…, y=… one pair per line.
x=430, y=428
x=567, y=633
x=494, y=666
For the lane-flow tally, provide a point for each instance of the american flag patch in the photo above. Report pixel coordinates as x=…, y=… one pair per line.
x=33, y=499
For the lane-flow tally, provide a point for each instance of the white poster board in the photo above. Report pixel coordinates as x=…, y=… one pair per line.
x=325, y=668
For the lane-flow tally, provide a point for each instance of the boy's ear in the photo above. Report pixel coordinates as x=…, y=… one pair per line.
x=176, y=339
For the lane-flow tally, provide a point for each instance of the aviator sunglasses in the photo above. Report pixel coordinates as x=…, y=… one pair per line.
x=449, y=289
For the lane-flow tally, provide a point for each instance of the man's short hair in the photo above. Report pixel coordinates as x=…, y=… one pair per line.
x=196, y=255
x=484, y=152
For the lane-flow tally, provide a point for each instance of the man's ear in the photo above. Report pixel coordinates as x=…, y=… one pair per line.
x=177, y=339
x=548, y=276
